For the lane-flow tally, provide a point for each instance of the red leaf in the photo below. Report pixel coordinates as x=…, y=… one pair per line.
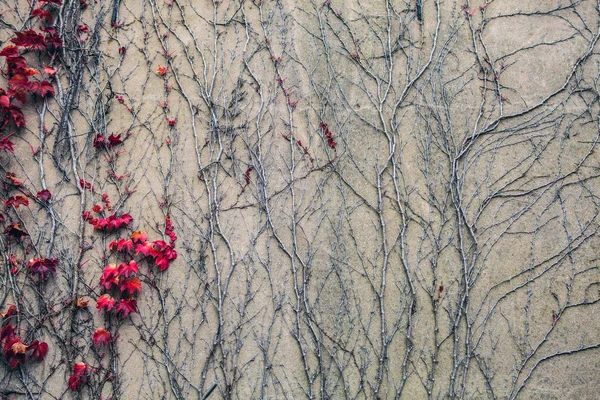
x=101, y=337
x=44, y=15
x=85, y=185
x=139, y=237
x=144, y=248
x=18, y=93
x=44, y=195
x=14, y=351
x=9, y=51
x=14, y=114
x=49, y=70
x=110, y=223
x=121, y=245
x=169, y=229
x=126, y=270
x=247, y=175
x=126, y=307
x=80, y=371
x=163, y=254
x=12, y=179
x=7, y=333
x=105, y=302
x=18, y=200
x=39, y=350
x=52, y=37
x=42, y=88
x=114, y=140
x=110, y=276
x=124, y=220
x=16, y=65
x=75, y=382
x=15, y=231
x=30, y=38
x=132, y=286
x=6, y=144
x=43, y=266
x=99, y=141
x=11, y=310
x=4, y=101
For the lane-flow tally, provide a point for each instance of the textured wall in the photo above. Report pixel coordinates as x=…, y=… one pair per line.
x=372, y=199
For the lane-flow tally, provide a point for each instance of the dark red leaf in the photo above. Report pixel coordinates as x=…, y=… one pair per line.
x=42, y=88
x=44, y=195
x=17, y=200
x=9, y=51
x=247, y=175
x=43, y=266
x=15, y=231
x=8, y=332
x=14, y=351
x=30, y=39
x=44, y=15
x=114, y=140
x=85, y=185
x=14, y=114
x=99, y=141
x=6, y=144
x=39, y=350
x=52, y=37
x=16, y=65
x=18, y=93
